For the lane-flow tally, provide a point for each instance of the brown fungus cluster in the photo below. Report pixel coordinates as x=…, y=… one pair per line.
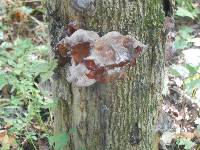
x=98, y=59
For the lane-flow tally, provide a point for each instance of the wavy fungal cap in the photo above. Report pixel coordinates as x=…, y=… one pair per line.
x=100, y=59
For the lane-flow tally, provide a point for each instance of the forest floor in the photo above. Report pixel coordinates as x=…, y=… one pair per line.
x=180, y=119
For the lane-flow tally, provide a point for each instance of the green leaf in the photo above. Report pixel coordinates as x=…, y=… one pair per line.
x=44, y=49
x=3, y=80
x=60, y=140
x=49, y=105
x=193, y=69
x=39, y=67
x=185, y=30
x=179, y=71
x=184, y=37
x=187, y=143
x=180, y=43
x=16, y=101
x=46, y=75
x=196, y=11
x=11, y=62
x=17, y=71
x=31, y=135
x=21, y=46
x=182, y=12
x=192, y=83
x=5, y=45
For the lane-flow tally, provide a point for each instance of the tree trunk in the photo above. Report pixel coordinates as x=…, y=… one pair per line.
x=120, y=115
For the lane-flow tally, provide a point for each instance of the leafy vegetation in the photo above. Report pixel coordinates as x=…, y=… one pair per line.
x=24, y=63
x=185, y=8
x=184, y=37
x=186, y=74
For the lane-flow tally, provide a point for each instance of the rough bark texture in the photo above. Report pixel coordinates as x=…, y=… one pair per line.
x=120, y=115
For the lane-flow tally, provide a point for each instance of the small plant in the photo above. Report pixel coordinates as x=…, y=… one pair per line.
x=184, y=37
x=190, y=76
x=188, y=72
x=188, y=144
x=186, y=9
x=22, y=65
x=59, y=141
x=186, y=75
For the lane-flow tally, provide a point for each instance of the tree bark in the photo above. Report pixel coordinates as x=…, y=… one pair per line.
x=120, y=115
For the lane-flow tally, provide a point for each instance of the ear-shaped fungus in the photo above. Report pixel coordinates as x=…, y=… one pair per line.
x=100, y=59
